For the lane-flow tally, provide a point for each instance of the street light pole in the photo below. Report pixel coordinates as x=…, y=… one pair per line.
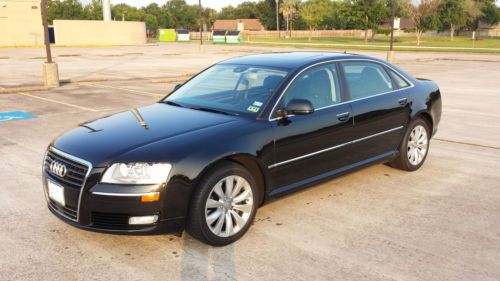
x=201, y=22
x=278, y=18
x=390, y=54
x=393, y=18
x=46, y=31
x=50, y=71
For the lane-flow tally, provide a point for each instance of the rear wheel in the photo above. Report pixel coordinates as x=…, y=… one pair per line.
x=223, y=206
x=414, y=147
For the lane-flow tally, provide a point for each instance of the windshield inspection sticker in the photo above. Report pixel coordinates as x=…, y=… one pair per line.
x=257, y=103
x=253, y=108
x=15, y=115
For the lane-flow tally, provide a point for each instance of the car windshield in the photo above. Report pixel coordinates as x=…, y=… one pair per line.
x=231, y=89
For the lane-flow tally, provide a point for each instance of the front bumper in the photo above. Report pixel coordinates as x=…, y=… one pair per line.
x=110, y=214
x=108, y=207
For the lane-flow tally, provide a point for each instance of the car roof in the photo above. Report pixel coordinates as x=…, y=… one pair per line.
x=288, y=60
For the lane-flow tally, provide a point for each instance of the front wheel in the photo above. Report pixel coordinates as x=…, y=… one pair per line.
x=223, y=206
x=414, y=147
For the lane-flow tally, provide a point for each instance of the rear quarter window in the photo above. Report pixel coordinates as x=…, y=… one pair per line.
x=398, y=80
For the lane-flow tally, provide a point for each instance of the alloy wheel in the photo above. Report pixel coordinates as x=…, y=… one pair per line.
x=418, y=143
x=229, y=206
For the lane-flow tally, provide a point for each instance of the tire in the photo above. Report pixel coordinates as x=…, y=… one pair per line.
x=414, y=147
x=216, y=217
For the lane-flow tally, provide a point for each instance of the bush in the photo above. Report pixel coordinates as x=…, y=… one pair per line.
x=385, y=31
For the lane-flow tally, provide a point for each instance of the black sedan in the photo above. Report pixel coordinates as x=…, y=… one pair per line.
x=240, y=133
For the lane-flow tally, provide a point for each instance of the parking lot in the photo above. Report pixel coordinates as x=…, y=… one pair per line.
x=441, y=222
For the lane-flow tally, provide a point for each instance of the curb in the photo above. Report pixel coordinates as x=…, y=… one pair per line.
x=23, y=89
x=175, y=79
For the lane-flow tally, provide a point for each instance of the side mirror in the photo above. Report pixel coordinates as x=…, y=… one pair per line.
x=177, y=86
x=297, y=107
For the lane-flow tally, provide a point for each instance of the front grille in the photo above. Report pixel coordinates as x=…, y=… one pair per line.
x=110, y=221
x=67, y=211
x=76, y=172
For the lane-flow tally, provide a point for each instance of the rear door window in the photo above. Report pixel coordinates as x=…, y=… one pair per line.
x=366, y=79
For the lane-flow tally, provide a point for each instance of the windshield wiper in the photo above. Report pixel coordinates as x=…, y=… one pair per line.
x=172, y=103
x=214, y=110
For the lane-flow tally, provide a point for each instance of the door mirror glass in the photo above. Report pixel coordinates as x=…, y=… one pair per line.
x=297, y=107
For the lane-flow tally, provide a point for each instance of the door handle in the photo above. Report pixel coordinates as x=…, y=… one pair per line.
x=343, y=116
x=403, y=101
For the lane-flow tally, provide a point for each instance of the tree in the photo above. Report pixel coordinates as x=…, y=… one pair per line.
x=372, y=13
x=289, y=8
x=423, y=14
x=151, y=23
x=126, y=12
x=340, y=16
x=93, y=11
x=490, y=12
x=266, y=13
x=181, y=14
x=209, y=16
x=64, y=10
x=314, y=13
x=247, y=10
x=228, y=12
x=455, y=14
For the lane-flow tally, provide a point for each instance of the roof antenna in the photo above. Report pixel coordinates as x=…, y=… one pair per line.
x=345, y=51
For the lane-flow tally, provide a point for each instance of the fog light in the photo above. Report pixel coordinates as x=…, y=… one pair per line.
x=143, y=220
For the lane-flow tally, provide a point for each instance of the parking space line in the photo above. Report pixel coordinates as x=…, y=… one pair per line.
x=142, y=93
x=60, y=102
x=467, y=143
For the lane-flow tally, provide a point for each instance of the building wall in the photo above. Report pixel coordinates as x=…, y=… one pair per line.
x=86, y=32
x=20, y=23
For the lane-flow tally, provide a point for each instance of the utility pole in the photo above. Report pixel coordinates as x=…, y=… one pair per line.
x=46, y=31
x=201, y=22
x=50, y=71
x=106, y=10
x=390, y=54
x=278, y=18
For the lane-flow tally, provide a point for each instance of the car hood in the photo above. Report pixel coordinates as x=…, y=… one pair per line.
x=102, y=140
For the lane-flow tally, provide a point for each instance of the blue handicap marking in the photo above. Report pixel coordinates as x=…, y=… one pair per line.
x=15, y=115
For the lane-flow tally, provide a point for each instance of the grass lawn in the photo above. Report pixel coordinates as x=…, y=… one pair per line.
x=381, y=42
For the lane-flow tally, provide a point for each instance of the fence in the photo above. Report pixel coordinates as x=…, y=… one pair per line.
x=479, y=33
x=249, y=35
x=273, y=34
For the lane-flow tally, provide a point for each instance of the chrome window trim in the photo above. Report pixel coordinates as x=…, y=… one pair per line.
x=334, y=147
x=124, y=194
x=346, y=102
x=78, y=160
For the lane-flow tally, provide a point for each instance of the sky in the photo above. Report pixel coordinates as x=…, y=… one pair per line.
x=214, y=4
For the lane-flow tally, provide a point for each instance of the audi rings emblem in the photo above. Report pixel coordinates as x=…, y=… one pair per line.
x=58, y=169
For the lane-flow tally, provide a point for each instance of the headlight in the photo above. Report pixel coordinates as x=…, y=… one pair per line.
x=137, y=173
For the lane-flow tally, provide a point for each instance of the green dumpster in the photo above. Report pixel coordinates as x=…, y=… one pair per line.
x=233, y=37
x=167, y=35
x=219, y=36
